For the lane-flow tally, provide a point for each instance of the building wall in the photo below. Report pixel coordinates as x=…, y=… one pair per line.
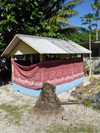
x=95, y=62
x=59, y=89
x=22, y=48
x=95, y=56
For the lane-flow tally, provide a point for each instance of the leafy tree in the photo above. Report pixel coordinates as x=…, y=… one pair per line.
x=36, y=17
x=80, y=37
x=96, y=6
x=88, y=19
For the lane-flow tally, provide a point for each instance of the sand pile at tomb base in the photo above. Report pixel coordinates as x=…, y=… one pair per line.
x=48, y=100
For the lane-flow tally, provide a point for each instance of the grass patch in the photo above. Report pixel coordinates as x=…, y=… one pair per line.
x=71, y=129
x=13, y=112
x=87, y=102
x=95, y=106
x=76, y=128
x=92, y=78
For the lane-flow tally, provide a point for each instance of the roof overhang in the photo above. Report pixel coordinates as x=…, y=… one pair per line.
x=45, y=45
x=11, y=45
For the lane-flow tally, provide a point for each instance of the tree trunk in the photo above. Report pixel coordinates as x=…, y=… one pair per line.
x=90, y=56
x=97, y=26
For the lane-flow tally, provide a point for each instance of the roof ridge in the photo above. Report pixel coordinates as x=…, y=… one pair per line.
x=41, y=37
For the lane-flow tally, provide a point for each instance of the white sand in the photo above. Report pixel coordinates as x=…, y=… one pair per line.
x=30, y=122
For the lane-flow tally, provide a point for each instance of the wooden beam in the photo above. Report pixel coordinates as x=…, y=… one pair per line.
x=41, y=57
x=12, y=67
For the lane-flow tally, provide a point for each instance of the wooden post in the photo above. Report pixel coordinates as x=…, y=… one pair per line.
x=41, y=57
x=97, y=25
x=90, y=56
x=12, y=67
x=63, y=56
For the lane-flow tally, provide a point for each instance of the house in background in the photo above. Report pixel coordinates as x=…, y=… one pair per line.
x=36, y=60
x=95, y=55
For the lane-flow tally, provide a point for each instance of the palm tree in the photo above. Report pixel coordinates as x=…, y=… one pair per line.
x=96, y=6
x=36, y=17
x=59, y=13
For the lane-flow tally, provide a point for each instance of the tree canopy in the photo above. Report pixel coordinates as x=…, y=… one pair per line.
x=36, y=17
x=80, y=37
x=96, y=7
x=88, y=19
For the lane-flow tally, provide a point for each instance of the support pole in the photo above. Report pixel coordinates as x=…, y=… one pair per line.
x=41, y=57
x=12, y=67
x=97, y=26
x=90, y=56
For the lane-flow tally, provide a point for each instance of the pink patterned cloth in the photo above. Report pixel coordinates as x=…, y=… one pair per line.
x=56, y=72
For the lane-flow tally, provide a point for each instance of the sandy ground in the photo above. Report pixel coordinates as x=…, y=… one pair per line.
x=30, y=122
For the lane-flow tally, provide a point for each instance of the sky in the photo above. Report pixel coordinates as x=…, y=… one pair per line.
x=83, y=8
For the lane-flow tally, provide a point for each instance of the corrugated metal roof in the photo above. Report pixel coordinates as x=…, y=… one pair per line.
x=98, y=42
x=45, y=45
x=52, y=45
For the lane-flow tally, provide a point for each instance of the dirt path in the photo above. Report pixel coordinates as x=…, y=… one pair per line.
x=22, y=120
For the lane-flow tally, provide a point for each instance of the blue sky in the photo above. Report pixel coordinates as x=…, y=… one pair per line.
x=83, y=9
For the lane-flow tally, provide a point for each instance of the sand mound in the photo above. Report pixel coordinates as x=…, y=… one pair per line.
x=48, y=100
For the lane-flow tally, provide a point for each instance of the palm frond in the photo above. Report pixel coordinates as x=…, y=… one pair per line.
x=56, y=20
x=72, y=4
x=97, y=3
x=73, y=29
x=63, y=21
x=94, y=7
x=67, y=13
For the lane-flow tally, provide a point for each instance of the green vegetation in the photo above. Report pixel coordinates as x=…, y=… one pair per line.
x=88, y=93
x=35, y=17
x=88, y=20
x=43, y=18
x=87, y=102
x=96, y=7
x=13, y=112
x=95, y=106
x=85, y=67
x=80, y=37
x=76, y=128
x=96, y=71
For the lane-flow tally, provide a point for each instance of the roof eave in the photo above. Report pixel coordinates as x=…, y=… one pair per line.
x=4, y=52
